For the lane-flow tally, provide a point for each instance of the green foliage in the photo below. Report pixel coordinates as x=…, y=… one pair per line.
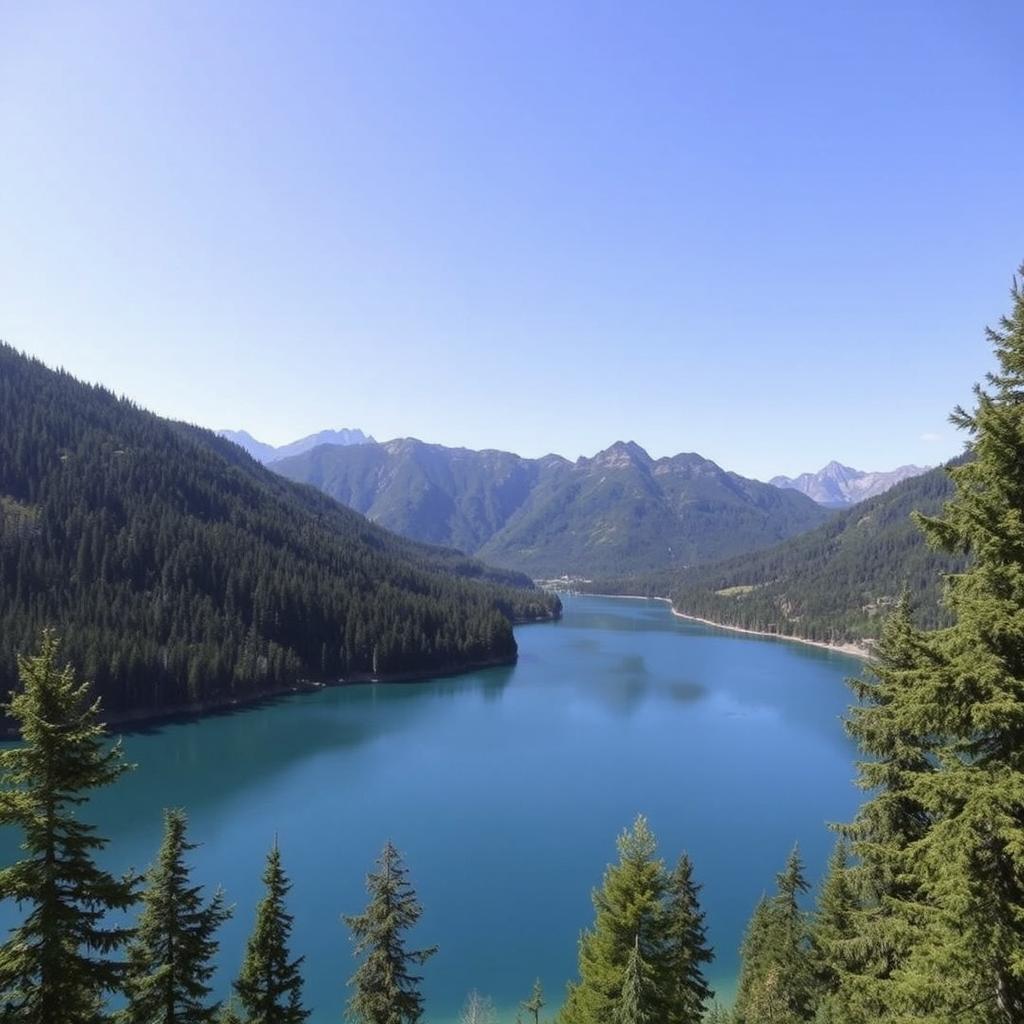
x=833, y=932
x=835, y=583
x=939, y=934
x=385, y=991
x=688, y=950
x=638, y=1001
x=269, y=985
x=643, y=908
x=776, y=976
x=170, y=955
x=182, y=572
x=61, y=961
x=620, y=511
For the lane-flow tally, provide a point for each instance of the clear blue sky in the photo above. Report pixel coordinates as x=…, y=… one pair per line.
x=768, y=232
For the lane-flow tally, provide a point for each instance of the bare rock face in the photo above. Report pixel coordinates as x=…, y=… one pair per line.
x=268, y=453
x=839, y=486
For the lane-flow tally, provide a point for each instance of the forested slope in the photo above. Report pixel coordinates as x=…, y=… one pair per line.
x=620, y=511
x=830, y=584
x=180, y=571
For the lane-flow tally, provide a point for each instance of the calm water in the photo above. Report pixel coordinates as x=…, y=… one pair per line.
x=505, y=790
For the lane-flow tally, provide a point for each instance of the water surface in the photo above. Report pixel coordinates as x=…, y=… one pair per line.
x=505, y=790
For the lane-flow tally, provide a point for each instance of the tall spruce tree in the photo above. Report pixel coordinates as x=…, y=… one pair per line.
x=871, y=967
x=629, y=911
x=638, y=1001
x=385, y=989
x=687, y=950
x=59, y=964
x=269, y=985
x=776, y=974
x=170, y=956
x=832, y=932
x=943, y=835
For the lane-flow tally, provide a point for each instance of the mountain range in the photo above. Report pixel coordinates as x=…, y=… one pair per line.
x=180, y=573
x=839, y=486
x=618, y=511
x=833, y=583
x=268, y=453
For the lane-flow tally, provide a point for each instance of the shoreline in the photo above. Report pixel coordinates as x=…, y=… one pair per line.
x=854, y=650
x=132, y=721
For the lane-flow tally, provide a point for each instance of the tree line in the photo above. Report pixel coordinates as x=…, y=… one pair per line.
x=181, y=572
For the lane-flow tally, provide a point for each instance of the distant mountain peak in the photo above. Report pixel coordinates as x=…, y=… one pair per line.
x=838, y=486
x=265, y=453
x=621, y=453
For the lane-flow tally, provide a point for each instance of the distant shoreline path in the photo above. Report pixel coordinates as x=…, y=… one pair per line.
x=855, y=650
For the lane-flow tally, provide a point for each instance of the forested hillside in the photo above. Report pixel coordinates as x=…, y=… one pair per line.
x=179, y=571
x=831, y=584
x=620, y=511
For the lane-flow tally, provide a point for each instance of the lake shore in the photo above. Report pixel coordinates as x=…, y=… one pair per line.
x=855, y=650
x=131, y=721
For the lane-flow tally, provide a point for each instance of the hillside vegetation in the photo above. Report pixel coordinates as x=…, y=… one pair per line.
x=620, y=511
x=830, y=584
x=180, y=571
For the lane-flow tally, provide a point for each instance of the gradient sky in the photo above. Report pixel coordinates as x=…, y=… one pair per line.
x=768, y=232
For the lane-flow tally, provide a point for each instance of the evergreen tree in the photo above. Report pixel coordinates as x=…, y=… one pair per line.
x=870, y=968
x=832, y=932
x=269, y=985
x=385, y=991
x=942, y=838
x=688, y=950
x=629, y=911
x=170, y=955
x=639, y=998
x=776, y=975
x=62, y=960
x=972, y=703
x=535, y=1003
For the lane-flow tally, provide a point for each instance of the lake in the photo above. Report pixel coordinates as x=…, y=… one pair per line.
x=505, y=790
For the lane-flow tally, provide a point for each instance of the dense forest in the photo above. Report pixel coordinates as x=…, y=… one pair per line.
x=619, y=511
x=180, y=571
x=834, y=583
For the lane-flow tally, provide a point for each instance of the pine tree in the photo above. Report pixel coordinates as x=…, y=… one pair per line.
x=776, y=975
x=629, y=910
x=63, y=959
x=639, y=998
x=535, y=1003
x=942, y=838
x=832, y=932
x=688, y=949
x=170, y=955
x=385, y=991
x=972, y=703
x=269, y=985
x=872, y=966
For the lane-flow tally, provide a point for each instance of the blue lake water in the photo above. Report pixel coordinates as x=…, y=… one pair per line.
x=505, y=790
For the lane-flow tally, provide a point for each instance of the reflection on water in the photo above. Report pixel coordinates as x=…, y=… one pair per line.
x=506, y=789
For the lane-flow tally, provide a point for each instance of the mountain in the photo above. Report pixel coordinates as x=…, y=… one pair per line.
x=181, y=572
x=831, y=584
x=620, y=511
x=268, y=453
x=839, y=486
